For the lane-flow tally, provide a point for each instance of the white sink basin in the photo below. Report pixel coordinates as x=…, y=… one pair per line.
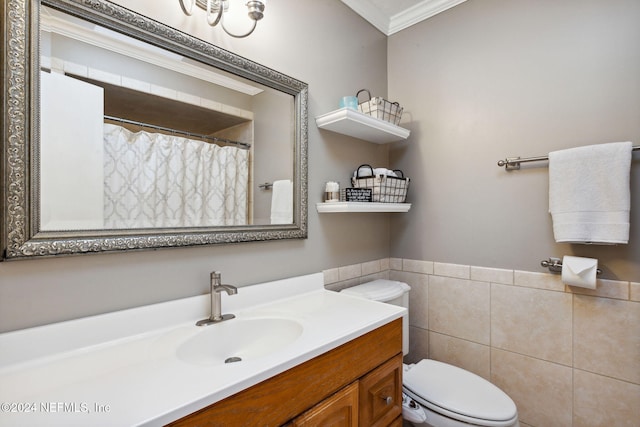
x=238, y=340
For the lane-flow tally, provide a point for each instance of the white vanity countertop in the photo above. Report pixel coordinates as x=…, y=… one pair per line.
x=121, y=368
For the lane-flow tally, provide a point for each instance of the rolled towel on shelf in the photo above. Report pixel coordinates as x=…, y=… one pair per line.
x=589, y=193
x=384, y=171
x=364, y=171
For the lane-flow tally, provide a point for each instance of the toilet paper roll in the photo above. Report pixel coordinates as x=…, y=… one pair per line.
x=578, y=271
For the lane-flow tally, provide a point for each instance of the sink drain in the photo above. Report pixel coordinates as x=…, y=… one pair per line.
x=233, y=360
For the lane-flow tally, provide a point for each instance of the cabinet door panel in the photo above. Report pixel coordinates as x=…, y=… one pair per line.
x=396, y=423
x=381, y=394
x=339, y=410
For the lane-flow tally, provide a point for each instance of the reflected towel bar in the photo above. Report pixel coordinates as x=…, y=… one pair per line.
x=513, y=163
x=266, y=186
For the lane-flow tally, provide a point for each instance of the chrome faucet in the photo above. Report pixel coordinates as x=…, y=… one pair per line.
x=216, y=304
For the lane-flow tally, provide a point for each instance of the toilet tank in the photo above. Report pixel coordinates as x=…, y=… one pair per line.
x=390, y=292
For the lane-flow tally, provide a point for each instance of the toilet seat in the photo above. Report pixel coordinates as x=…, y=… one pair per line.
x=458, y=394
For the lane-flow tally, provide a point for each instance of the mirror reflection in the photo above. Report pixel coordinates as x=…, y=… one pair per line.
x=133, y=136
x=122, y=133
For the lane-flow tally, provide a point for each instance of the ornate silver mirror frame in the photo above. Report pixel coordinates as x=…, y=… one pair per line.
x=21, y=236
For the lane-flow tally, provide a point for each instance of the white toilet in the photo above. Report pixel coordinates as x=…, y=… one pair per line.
x=437, y=394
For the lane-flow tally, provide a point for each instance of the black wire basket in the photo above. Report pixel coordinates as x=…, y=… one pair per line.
x=384, y=188
x=380, y=108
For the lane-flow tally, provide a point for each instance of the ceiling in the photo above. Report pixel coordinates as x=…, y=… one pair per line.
x=391, y=16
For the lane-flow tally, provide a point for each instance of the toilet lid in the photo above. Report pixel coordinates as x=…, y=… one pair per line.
x=378, y=290
x=458, y=393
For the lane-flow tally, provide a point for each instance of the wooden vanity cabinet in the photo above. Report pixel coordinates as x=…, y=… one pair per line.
x=356, y=384
x=375, y=400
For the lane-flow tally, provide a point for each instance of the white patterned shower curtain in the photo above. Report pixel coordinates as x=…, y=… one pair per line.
x=156, y=180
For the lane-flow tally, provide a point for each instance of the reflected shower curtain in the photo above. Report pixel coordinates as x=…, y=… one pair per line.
x=156, y=180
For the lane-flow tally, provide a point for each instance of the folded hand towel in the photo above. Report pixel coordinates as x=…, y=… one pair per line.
x=589, y=193
x=282, y=202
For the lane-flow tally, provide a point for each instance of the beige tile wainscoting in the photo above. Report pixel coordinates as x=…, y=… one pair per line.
x=568, y=357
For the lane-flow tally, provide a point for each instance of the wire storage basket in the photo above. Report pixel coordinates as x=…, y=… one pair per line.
x=380, y=108
x=385, y=188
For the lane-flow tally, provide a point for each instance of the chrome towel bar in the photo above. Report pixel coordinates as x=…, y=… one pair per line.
x=513, y=163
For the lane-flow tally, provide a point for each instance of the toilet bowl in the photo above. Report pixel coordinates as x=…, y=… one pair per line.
x=437, y=394
x=453, y=397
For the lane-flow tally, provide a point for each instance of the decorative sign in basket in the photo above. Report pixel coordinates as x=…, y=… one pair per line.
x=384, y=188
x=380, y=108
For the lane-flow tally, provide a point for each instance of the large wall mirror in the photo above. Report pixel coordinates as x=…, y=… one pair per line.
x=121, y=133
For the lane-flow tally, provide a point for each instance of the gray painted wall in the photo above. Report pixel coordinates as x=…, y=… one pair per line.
x=322, y=43
x=482, y=81
x=494, y=78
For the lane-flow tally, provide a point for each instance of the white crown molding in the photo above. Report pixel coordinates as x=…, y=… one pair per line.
x=390, y=25
x=419, y=12
x=371, y=13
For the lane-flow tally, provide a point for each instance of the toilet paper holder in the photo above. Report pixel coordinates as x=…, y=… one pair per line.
x=555, y=265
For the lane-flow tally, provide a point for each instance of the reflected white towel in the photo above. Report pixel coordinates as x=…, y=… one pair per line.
x=589, y=193
x=282, y=202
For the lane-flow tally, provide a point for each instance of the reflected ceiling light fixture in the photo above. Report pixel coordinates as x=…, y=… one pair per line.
x=216, y=8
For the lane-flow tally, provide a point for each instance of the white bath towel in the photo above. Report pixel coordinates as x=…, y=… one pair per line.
x=589, y=193
x=282, y=202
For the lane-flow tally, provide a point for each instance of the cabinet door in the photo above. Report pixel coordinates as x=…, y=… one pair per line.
x=396, y=423
x=339, y=410
x=381, y=394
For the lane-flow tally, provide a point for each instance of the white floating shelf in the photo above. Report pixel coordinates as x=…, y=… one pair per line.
x=353, y=123
x=335, y=207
